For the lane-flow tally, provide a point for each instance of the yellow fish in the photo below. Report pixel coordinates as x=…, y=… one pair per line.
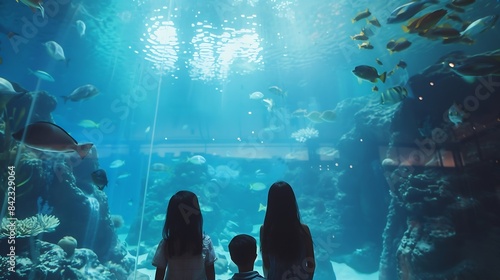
x=34, y=4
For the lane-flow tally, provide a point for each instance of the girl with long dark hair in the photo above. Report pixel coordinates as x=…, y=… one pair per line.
x=184, y=252
x=286, y=243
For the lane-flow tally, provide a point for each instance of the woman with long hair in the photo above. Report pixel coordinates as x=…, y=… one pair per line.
x=184, y=252
x=286, y=243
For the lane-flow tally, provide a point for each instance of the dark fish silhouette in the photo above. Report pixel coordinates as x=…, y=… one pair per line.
x=47, y=136
x=406, y=11
x=82, y=93
x=100, y=178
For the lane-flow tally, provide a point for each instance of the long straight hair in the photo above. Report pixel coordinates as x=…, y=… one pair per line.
x=183, y=225
x=283, y=235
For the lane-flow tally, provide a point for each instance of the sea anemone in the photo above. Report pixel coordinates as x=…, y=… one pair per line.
x=117, y=221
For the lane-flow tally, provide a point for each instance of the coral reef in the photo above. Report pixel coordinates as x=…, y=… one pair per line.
x=304, y=134
x=68, y=244
x=50, y=185
x=443, y=217
x=31, y=226
x=51, y=262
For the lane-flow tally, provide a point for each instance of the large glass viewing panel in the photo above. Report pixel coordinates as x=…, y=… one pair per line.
x=383, y=116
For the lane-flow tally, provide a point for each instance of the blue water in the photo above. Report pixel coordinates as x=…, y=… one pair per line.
x=175, y=79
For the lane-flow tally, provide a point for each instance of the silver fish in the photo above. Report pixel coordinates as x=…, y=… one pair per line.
x=82, y=93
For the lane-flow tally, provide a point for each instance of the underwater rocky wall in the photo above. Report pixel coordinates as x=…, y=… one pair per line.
x=56, y=201
x=444, y=215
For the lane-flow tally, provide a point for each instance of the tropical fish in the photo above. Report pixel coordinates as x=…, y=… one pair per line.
x=314, y=116
x=259, y=173
x=82, y=93
x=262, y=207
x=197, y=159
x=34, y=5
x=258, y=186
x=393, y=95
x=328, y=116
x=117, y=163
x=398, y=45
x=375, y=88
x=6, y=85
x=7, y=92
x=256, y=95
x=42, y=75
x=424, y=22
x=366, y=46
x=47, y=136
x=277, y=90
x=406, y=11
x=88, y=124
x=378, y=61
x=478, y=65
x=374, y=21
x=99, y=178
x=80, y=27
x=299, y=112
x=401, y=64
x=368, y=73
x=55, y=51
x=206, y=208
x=440, y=32
x=123, y=176
x=361, y=15
x=269, y=103
x=361, y=36
x=461, y=39
x=479, y=26
x=367, y=31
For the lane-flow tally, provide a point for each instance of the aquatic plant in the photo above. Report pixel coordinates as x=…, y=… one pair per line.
x=304, y=134
x=31, y=226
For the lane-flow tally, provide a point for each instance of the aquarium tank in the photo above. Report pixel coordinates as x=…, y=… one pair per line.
x=383, y=116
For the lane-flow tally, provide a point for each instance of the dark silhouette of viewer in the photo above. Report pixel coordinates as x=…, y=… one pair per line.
x=243, y=251
x=286, y=243
x=184, y=252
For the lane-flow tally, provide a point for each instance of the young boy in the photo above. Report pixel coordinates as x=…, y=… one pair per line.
x=243, y=251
